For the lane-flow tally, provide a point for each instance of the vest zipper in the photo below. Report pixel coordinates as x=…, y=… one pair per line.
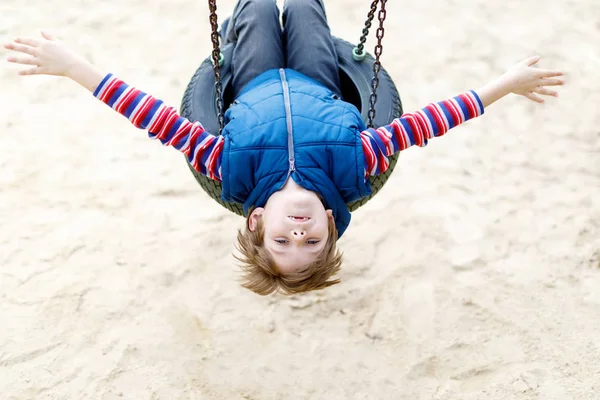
x=288, y=120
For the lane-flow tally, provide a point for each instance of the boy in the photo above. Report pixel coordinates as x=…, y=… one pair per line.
x=288, y=121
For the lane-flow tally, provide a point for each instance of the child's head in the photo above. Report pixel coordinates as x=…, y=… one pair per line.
x=289, y=245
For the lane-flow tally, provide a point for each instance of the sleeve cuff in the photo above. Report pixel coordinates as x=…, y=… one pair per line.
x=480, y=108
x=100, y=89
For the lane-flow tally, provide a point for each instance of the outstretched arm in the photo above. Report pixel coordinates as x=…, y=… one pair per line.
x=436, y=119
x=49, y=56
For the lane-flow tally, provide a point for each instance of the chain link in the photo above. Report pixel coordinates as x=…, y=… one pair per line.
x=365, y=31
x=216, y=55
x=377, y=64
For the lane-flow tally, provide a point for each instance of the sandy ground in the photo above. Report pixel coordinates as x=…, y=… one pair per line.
x=474, y=275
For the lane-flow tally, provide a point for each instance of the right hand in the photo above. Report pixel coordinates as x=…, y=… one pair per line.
x=526, y=80
x=522, y=79
x=48, y=56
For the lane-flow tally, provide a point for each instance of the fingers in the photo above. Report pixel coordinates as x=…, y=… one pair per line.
x=21, y=48
x=544, y=91
x=28, y=41
x=47, y=35
x=534, y=97
x=32, y=71
x=547, y=73
x=540, y=73
x=530, y=61
x=551, y=82
x=23, y=60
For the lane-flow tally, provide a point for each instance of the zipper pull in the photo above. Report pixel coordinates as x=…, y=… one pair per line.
x=292, y=164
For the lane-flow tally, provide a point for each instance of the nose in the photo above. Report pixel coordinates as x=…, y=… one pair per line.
x=298, y=233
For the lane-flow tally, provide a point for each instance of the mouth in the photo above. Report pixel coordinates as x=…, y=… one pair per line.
x=296, y=218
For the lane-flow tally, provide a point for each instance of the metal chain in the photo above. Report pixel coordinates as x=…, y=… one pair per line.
x=377, y=64
x=365, y=31
x=216, y=56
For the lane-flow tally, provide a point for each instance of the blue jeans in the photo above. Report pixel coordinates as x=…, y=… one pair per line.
x=303, y=44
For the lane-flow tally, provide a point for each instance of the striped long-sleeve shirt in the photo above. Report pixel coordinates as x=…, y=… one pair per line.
x=203, y=150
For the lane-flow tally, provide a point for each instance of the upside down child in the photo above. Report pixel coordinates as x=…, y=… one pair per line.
x=292, y=151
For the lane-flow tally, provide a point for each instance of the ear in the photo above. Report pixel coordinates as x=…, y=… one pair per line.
x=329, y=213
x=255, y=217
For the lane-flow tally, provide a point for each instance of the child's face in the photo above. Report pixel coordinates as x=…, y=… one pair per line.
x=295, y=226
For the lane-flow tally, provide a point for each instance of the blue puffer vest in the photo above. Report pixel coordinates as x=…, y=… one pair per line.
x=286, y=124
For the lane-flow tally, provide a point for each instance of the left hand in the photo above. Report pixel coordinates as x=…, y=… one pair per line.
x=48, y=56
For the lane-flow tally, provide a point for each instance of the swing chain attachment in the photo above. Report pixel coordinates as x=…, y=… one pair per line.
x=377, y=64
x=358, y=53
x=217, y=59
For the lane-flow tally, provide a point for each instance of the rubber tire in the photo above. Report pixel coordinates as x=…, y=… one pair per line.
x=199, y=104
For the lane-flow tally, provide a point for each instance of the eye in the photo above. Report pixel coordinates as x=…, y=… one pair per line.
x=312, y=241
x=281, y=241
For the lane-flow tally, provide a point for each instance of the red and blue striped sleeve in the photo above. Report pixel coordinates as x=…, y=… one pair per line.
x=416, y=128
x=202, y=149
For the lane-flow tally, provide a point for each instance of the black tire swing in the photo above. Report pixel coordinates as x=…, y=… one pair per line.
x=364, y=83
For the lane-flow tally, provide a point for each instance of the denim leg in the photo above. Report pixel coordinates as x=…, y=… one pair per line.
x=256, y=31
x=309, y=48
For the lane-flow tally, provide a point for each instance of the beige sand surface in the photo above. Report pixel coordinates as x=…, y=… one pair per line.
x=474, y=275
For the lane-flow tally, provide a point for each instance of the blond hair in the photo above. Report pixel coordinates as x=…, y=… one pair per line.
x=261, y=275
